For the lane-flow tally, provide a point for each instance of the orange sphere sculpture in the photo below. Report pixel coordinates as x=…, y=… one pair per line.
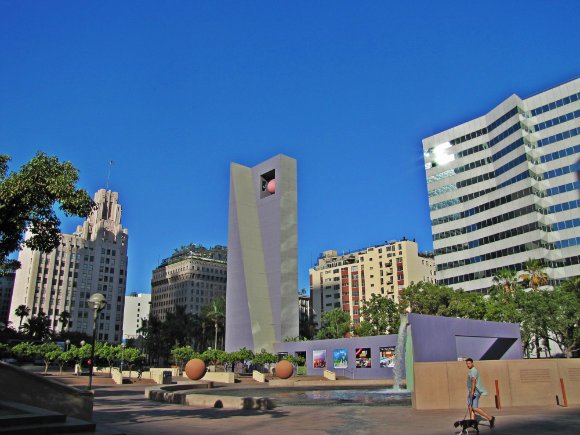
x=195, y=369
x=284, y=369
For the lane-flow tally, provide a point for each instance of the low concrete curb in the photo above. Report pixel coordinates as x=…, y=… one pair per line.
x=184, y=394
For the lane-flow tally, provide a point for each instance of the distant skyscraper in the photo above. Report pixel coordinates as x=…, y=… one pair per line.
x=6, y=286
x=347, y=281
x=504, y=188
x=192, y=278
x=137, y=307
x=262, y=291
x=93, y=259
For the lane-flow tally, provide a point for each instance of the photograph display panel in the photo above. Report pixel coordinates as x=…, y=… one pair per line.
x=340, y=358
x=319, y=359
x=387, y=356
x=363, y=357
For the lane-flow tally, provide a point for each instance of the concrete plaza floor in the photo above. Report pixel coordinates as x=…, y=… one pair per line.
x=124, y=408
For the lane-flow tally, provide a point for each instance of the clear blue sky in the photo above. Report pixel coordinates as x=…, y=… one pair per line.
x=173, y=91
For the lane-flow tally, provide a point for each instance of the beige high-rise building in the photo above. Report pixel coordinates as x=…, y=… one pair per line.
x=347, y=281
x=191, y=278
x=92, y=260
x=137, y=307
x=6, y=286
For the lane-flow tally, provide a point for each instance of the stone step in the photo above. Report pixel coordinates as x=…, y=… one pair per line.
x=18, y=414
x=18, y=419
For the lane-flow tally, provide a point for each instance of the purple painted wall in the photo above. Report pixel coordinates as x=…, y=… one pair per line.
x=438, y=338
x=350, y=344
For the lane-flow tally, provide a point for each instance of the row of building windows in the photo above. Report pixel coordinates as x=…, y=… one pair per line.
x=559, y=154
x=487, y=222
x=564, y=225
x=558, y=103
x=570, y=205
x=487, y=129
x=559, y=171
x=558, y=137
x=556, y=121
x=483, y=207
x=459, y=170
x=530, y=246
x=570, y=261
x=480, y=178
x=563, y=188
x=485, y=145
x=567, y=243
x=514, y=145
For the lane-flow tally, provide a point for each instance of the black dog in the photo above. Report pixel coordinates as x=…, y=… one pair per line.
x=467, y=423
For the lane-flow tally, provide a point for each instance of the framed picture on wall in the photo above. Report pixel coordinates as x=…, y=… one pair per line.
x=363, y=357
x=340, y=358
x=387, y=356
x=319, y=359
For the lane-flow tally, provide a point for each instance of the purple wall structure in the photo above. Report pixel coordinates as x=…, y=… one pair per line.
x=375, y=371
x=430, y=338
x=437, y=338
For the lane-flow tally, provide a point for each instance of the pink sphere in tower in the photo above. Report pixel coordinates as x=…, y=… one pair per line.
x=271, y=187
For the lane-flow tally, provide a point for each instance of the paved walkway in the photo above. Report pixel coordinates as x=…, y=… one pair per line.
x=125, y=409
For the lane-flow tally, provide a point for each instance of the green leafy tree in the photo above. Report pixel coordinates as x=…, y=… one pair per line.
x=21, y=311
x=335, y=324
x=427, y=298
x=181, y=355
x=152, y=332
x=265, y=360
x=467, y=305
x=240, y=357
x=564, y=322
x=108, y=352
x=49, y=352
x=364, y=329
x=25, y=350
x=382, y=313
x=131, y=355
x=27, y=201
x=214, y=356
x=65, y=358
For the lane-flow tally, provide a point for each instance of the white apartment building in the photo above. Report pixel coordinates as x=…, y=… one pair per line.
x=137, y=307
x=346, y=281
x=504, y=188
x=191, y=278
x=6, y=286
x=92, y=260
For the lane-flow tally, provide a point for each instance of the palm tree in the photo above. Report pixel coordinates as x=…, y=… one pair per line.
x=64, y=319
x=507, y=278
x=534, y=274
x=215, y=312
x=37, y=327
x=22, y=311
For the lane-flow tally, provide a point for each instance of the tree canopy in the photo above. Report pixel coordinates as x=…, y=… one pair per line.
x=28, y=198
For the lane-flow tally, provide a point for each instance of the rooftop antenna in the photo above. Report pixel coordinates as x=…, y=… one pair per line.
x=109, y=174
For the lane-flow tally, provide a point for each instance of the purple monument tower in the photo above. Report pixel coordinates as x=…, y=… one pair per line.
x=262, y=285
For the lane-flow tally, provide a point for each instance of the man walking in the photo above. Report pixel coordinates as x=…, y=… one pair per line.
x=474, y=391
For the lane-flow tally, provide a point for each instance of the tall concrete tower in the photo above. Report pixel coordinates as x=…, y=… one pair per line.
x=262, y=284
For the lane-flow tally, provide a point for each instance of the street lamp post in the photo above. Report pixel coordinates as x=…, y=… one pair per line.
x=97, y=302
x=67, y=344
x=122, y=355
